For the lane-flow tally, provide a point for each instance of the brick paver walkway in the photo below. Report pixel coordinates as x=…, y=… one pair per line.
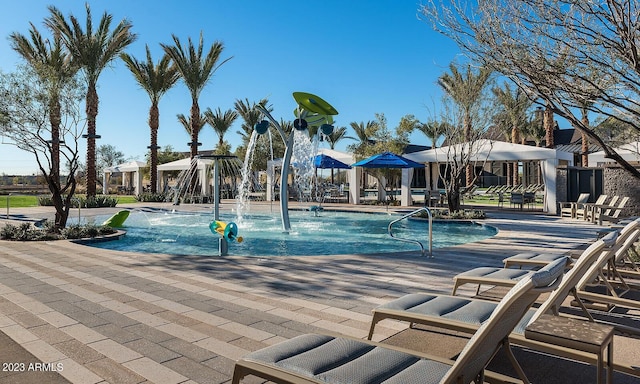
x=106, y=316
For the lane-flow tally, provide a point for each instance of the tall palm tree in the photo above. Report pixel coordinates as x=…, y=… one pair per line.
x=93, y=51
x=514, y=105
x=363, y=130
x=195, y=70
x=188, y=125
x=465, y=89
x=250, y=116
x=156, y=80
x=338, y=134
x=221, y=122
x=55, y=67
x=433, y=130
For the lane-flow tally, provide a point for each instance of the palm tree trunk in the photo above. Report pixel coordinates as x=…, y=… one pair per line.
x=195, y=124
x=92, y=113
x=547, y=121
x=467, y=137
x=585, y=141
x=54, y=173
x=154, y=122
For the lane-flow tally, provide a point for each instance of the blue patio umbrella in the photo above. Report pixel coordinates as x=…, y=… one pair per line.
x=327, y=162
x=387, y=160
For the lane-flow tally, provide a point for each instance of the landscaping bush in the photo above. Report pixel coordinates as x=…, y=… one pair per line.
x=468, y=214
x=29, y=232
x=148, y=197
x=91, y=202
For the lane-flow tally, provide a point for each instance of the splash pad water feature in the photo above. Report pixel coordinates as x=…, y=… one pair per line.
x=312, y=111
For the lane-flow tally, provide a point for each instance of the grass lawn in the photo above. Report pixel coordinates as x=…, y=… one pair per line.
x=22, y=201
x=19, y=201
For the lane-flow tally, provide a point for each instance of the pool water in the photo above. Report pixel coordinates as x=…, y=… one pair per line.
x=328, y=233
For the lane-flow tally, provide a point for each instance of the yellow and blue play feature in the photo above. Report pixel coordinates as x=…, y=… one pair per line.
x=314, y=104
x=227, y=231
x=117, y=220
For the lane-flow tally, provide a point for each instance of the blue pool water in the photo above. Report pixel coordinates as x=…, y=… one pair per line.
x=329, y=233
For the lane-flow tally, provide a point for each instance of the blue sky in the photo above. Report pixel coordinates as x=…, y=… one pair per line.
x=363, y=57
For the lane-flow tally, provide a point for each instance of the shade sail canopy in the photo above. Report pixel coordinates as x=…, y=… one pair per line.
x=491, y=151
x=387, y=160
x=131, y=166
x=327, y=162
x=630, y=152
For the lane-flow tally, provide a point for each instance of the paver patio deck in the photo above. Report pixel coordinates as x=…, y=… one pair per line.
x=120, y=317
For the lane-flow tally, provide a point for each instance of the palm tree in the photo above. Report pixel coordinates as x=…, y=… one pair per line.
x=514, y=105
x=465, y=89
x=195, y=70
x=156, y=80
x=221, y=122
x=188, y=125
x=363, y=132
x=250, y=116
x=338, y=134
x=433, y=130
x=93, y=51
x=55, y=67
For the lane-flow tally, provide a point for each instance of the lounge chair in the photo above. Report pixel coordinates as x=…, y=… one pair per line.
x=609, y=287
x=466, y=314
x=611, y=212
x=569, y=208
x=587, y=208
x=329, y=359
x=616, y=246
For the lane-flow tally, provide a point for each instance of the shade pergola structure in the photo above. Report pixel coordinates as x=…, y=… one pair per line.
x=183, y=165
x=630, y=152
x=386, y=160
x=343, y=157
x=491, y=150
x=131, y=176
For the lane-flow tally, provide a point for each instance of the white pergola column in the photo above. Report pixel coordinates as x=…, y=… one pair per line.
x=354, y=185
x=548, y=167
x=405, y=187
x=138, y=176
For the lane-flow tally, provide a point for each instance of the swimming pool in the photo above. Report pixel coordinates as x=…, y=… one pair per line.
x=328, y=233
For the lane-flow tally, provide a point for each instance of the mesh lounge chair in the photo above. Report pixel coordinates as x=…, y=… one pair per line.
x=609, y=286
x=569, y=208
x=508, y=277
x=467, y=314
x=328, y=359
x=536, y=260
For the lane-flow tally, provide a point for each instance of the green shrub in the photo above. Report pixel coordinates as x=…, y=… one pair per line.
x=148, y=197
x=28, y=232
x=470, y=214
x=91, y=202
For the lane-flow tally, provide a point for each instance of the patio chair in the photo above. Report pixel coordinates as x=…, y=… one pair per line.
x=609, y=213
x=536, y=260
x=467, y=314
x=508, y=277
x=517, y=198
x=590, y=208
x=569, y=208
x=609, y=287
x=329, y=359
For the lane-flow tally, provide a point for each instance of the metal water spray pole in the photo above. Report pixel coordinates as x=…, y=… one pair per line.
x=8, y=206
x=216, y=187
x=284, y=172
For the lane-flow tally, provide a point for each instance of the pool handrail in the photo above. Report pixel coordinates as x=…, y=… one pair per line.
x=389, y=229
